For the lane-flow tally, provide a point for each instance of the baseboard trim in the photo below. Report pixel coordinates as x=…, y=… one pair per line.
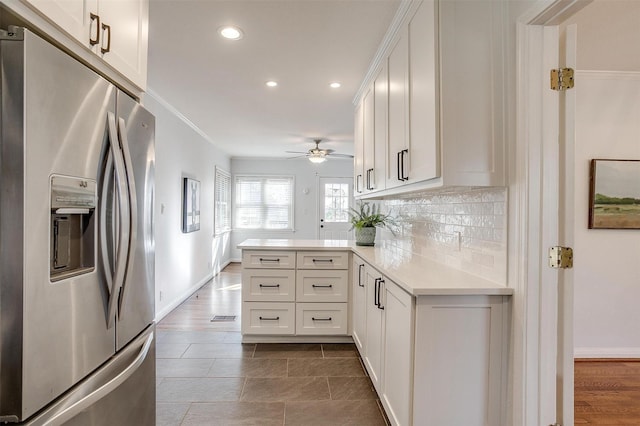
x=184, y=296
x=296, y=339
x=588, y=353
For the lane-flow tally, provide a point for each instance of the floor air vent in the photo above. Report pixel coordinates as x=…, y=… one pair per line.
x=223, y=318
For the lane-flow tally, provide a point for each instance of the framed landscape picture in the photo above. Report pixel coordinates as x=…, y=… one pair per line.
x=190, y=205
x=614, y=197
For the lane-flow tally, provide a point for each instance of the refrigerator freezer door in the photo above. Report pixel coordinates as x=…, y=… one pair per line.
x=122, y=392
x=136, y=127
x=53, y=334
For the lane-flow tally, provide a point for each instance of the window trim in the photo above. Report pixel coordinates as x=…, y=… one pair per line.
x=220, y=172
x=291, y=227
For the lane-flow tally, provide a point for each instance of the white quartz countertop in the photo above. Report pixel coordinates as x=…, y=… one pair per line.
x=415, y=274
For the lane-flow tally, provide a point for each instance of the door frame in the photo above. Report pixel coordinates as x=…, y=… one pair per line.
x=535, y=214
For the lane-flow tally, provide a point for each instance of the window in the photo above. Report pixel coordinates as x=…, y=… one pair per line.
x=264, y=202
x=222, y=196
x=336, y=202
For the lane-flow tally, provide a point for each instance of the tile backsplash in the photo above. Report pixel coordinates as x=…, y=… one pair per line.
x=465, y=228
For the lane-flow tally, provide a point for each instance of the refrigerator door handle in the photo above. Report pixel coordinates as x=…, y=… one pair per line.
x=124, y=218
x=104, y=248
x=133, y=203
x=80, y=405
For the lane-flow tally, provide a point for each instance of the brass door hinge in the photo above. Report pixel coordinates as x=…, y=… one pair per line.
x=561, y=257
x=562, y=79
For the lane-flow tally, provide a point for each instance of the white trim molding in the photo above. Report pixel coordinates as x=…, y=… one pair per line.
x=606, y=353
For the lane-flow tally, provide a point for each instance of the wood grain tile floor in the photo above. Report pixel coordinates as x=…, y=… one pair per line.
x=206, y=376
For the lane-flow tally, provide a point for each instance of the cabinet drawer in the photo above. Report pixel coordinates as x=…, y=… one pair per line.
x=268, y=318
x=269, y=259
x=269, y=285
x=323, y=260
x=322, y=286
x=321, y=318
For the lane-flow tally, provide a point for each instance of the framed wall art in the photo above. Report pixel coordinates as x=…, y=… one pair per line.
x=190, y=205
x=614, y=196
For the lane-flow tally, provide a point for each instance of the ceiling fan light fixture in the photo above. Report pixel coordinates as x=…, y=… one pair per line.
x=230, y=32
x=335, y=85
x=317, y=158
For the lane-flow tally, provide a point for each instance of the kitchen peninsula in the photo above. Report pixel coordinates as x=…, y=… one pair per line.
x=433, y=339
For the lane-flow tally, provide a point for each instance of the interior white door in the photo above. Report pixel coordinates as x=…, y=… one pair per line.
x=565, y=376
x=335, y=198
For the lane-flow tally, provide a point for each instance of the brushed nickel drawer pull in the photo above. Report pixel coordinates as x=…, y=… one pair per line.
x=323, y=260
x=269, y=319
x=322, y=285
x=269, y=260
x=269, y=285
x=320, y=319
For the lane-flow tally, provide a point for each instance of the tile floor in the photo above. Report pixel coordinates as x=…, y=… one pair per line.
x=206, y=376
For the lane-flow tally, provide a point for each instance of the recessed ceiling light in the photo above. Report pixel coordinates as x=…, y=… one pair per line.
x=231, y=33
x=335, y=85
x=271, y=83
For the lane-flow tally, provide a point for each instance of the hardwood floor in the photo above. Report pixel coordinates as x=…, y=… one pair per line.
x=607, y=392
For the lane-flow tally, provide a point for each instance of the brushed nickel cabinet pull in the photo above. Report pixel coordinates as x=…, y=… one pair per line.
x=322, y=285
x=107, y=29
x=269, y=260
x=323, y=260
x=269, y=285
x=320, y=319
x=269, y=319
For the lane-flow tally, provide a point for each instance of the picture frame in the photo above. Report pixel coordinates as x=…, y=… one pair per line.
x=614, y=194
x=190, y=205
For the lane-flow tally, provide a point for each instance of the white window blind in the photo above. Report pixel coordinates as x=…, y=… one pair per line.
x=222, y=196
x=264, y=202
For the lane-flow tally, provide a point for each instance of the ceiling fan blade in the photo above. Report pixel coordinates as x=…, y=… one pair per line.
x=297, y=152
x=297, y=156
x=328, y=151
x=342, y=155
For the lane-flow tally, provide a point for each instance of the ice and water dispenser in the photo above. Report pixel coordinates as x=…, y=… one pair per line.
x=73, y=204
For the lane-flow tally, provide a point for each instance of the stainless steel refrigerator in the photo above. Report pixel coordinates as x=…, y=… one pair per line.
x=76, y=243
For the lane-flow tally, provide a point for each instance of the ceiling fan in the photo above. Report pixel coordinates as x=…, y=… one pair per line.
x=318, y=155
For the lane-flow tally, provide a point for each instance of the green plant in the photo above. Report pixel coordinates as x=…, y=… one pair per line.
x=368, y=216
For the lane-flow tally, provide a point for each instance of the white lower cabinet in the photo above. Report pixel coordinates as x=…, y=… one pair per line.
x=375, y=327
x=398, y=353
x=268, y=318
x=437, y=360
x=321, y=318
x=358, y=303
x=295, y=293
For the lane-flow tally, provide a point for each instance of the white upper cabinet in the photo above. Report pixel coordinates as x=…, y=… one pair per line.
x=358, y=158
x=368, y=140
x=380, y=133
x=70, y=15
x=444, y=117
x=398, y=64
x=423, y=142
x=473, y=78
x=124, y=37
x=115, y=30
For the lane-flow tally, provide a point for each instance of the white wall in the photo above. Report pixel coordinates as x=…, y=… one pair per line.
x=305, y=192
x=184, y=262
x=607, y=262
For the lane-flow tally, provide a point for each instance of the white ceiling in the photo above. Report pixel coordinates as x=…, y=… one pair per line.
x=303, y=44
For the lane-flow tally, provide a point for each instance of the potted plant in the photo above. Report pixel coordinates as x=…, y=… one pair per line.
x=365, y=219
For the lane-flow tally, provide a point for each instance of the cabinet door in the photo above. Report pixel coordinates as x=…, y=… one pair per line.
x=398, y=353
x=380, y=136
x=358, y=151
x=359, y=318
x=374, y=332
x=424, y=152
x=398, y=65
x=128, y=24
x=70, y=15
x=368, y=140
